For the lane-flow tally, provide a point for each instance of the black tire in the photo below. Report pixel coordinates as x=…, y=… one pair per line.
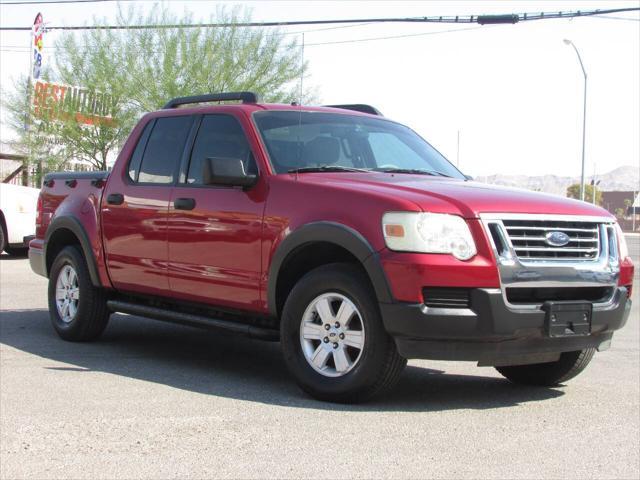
x=549, y=374
x=3, y=236
x=92, y=314
x=379, y=365
x=17, y=251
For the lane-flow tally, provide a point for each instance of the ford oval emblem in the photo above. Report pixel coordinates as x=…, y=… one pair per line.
x=557, y=239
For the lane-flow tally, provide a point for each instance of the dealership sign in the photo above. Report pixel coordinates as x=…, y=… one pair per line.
x=55, y=101
x=63, y=102
x=54, y=104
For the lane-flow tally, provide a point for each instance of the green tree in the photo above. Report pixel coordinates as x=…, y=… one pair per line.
x=33, y=140
x=142, y=68
x=573, y=191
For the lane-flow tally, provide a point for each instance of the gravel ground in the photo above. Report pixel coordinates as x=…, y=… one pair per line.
x=152, y=400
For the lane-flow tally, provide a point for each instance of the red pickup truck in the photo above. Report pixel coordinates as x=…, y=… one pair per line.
x=338, y=232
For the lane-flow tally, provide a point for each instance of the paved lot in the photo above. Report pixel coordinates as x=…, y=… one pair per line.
x=153, y=400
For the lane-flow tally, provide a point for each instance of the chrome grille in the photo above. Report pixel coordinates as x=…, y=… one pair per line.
x=529, y=241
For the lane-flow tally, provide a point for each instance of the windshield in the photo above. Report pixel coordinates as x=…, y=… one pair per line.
x=317, y=141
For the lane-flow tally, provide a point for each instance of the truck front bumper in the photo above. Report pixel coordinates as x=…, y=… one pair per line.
x=492, y=333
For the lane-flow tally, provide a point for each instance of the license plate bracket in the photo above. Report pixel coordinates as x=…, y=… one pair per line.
x=567, y=319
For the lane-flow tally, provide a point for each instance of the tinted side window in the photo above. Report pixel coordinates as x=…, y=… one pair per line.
x=136, y=158
x=219, y=136
x=164, y=149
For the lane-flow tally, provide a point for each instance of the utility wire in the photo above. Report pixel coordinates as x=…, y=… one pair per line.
x=278, y=34
x=21, y=49
x=628, y=19
x=391, y=37
x=275, y=34
x=511, y=18
x=39, y=2
x=43, y=2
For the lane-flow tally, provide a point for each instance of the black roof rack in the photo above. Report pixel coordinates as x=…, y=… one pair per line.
x=359, y=107
x=244, y=97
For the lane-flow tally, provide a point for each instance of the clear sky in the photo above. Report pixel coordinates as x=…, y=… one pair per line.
x=513, y=91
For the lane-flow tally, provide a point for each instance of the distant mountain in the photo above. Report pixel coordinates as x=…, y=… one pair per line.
x=622, y=178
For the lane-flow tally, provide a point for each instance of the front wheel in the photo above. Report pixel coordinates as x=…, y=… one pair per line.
x=549, y=374
x=78, y=310
x=333, y=339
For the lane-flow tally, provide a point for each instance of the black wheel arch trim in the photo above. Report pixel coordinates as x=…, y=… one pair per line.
x=330, y=232
x=74, y=225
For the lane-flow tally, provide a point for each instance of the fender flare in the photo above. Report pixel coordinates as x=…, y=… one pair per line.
x=338, y=234
x=74, y=225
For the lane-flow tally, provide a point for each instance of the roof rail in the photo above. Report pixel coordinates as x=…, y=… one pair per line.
x=244, y=97
x=359, y=107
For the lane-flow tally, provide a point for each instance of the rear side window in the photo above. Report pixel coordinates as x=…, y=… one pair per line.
x=136, y=158
x=164, y=149
x=219, y=136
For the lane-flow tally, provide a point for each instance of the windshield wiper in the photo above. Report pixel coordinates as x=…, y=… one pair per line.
x=340, y=168
x=326, y=168
x=415, y=171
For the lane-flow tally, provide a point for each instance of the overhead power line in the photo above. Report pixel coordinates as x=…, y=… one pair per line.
x=270, y=35
x=42, y=2
x=627, y=19
x=23, y=49
x=510, y=18
x=392, y=37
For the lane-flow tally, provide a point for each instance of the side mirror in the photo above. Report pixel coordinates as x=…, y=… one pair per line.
x=468, y=177
x=226, y=171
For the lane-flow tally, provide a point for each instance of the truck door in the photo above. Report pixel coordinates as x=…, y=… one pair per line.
x=215, y=231
x=135, y=207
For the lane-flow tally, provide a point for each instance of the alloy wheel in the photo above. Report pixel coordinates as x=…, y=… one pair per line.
x=67, y=294
x=332, y=334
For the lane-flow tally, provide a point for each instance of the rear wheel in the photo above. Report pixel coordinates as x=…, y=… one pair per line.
x=333, y=339
x=549, y=374
x=78, y=310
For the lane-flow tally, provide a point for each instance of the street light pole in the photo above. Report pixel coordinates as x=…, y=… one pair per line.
x=584, y=115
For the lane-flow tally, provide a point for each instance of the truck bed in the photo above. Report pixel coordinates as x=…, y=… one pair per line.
x=64, y=191
x=72, y=195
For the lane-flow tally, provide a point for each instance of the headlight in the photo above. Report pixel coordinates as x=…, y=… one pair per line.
x=622, y=243
x=428, y=233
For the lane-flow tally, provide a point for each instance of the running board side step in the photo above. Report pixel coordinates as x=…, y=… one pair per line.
x=194, y=320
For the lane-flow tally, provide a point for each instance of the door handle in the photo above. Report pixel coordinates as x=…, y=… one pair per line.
x=115, y=199
x=184, y=203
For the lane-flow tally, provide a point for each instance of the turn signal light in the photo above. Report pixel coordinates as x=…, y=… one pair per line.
x=394, y=230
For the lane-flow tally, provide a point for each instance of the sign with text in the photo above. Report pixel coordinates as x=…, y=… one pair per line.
x=63, y=102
